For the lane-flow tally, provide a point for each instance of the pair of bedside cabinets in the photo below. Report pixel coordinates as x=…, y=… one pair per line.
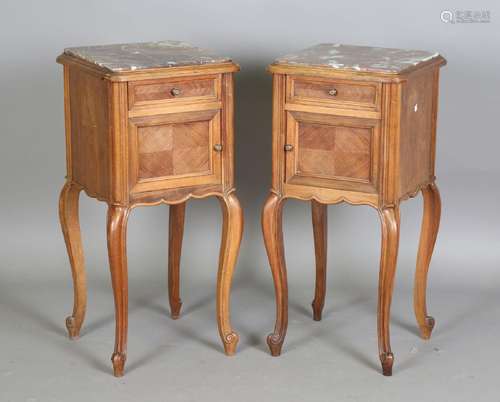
x=152, y=123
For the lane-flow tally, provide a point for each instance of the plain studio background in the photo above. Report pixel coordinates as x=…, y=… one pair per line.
x=182, y=360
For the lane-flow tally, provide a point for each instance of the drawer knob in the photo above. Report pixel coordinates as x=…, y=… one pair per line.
x=288, y=147
x=332, y=92
x=175, y=91
x=218, y=147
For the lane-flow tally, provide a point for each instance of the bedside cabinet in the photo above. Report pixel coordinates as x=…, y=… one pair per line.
x=147, y=124
x=354, y=124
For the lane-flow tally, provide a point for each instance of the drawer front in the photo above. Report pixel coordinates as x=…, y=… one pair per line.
x=153, y=92
x=328, y=92
x=332, y=152
x=174, y=150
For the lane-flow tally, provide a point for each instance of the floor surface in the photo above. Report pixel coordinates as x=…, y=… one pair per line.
x=182, y=360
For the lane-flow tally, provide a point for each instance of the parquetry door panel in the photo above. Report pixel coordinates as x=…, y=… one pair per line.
x=174, y=150
x=332, y=151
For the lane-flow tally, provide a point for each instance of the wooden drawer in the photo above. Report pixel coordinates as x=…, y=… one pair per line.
x=175, y=150
x=332, y=152
x=169, y=91
x=333, y=92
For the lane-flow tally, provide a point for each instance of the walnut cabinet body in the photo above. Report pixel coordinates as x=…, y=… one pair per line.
x=359, y=135
x=146, y=137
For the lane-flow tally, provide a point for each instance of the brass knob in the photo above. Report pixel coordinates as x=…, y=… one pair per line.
x=288, y=147
x=218, y=147
x=175, y=91
x=332, y=92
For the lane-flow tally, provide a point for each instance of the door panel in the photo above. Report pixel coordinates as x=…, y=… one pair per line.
x=175, y=150
x=327, y=151
x=332, y=151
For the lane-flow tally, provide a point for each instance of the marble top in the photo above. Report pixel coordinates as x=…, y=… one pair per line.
x=357, y=58
x=138, y=56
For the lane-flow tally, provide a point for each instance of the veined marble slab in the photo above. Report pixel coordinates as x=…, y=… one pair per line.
x=138, y=56
x=357, y=58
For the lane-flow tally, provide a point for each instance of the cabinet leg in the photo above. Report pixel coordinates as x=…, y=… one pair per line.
x=70, y=224
x=428, y=235
x=390, y=241
x=176, y=232
x=320, y=230
x=117, y=250
x=232, y=230
x=273, y=238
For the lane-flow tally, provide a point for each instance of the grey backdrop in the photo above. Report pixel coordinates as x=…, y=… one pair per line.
x=183, y=360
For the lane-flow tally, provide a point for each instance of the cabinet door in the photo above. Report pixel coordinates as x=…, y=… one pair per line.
x=174, y=150
x=332, y=151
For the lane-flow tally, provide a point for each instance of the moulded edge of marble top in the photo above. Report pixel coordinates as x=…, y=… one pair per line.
x=125, y=58
x=404, y=61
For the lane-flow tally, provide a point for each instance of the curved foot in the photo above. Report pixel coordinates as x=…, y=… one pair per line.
x=230, y=343
x=175, y=310
x=427, y=328
x=175, y=234
x=70, y=225
x=428, y=235
x=72, y=327
x=275, y=343
x=118, y=360
x=387, y=360
x=320, y=231
x=272, y=214
x=317, y=310
x=232, y=231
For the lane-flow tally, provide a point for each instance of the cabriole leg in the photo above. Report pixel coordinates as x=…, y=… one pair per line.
x=390, y=241
x=320, y=230
x=176, y=232
x=273, y=238
x=428, y=235
x=232, y=230
x=117, y=250
x=70, y=224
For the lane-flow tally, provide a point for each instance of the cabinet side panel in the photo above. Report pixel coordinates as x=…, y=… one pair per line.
x=89, y=132
x=417, y=131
